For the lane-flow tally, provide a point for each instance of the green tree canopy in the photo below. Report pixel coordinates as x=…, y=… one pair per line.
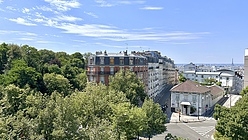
x=182, y=78
x=155, y=119
x=232, y=122
x=21, y=75
x=128, y=83
x=57, y=82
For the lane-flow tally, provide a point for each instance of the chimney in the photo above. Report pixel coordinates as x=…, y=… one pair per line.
x=125, y=53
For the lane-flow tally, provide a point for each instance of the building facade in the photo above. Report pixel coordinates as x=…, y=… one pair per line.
x=191, y=98
x=188, y=95
x=156, y=71
x=102, y=65
x=246, y=68
x=231, y=81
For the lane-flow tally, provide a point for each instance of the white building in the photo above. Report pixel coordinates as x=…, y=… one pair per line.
x=217, y=93
x=189, y=95
x=161, y=72
x=232, y=81
x=154, y=74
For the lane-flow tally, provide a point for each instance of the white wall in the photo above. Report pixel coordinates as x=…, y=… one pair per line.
x=201, y=100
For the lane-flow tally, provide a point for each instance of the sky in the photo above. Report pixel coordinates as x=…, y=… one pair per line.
x=212, y=31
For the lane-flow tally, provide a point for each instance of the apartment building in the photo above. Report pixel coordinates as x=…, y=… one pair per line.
x=156, y=71
x=161, y=72
x=102, y=65
x=231, y=81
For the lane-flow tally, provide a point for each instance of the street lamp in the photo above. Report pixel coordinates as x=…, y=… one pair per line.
x=199, y=106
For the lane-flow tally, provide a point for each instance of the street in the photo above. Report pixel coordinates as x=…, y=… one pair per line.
x=192, y=131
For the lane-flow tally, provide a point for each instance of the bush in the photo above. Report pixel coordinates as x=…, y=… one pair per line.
x=192, y=109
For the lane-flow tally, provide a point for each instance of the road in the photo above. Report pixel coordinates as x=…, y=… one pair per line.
x=164, y=99
x=231, y=100
x=192, y=131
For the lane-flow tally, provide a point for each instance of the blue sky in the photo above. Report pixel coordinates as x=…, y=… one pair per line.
x=213, y=31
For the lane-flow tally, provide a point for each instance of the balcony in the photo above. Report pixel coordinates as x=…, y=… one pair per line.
x=91, y=73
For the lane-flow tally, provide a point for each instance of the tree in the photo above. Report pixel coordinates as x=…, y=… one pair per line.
x=211, y=81
x=171, y=137
x=244, y=91
x=80, y=81
x=128, y=83
x=155, y=119
x=232, y=122
x=21, y=75
x=182, y=78
x=31, y=56
x=3, y=57
x=79, y=60
x=57, y=82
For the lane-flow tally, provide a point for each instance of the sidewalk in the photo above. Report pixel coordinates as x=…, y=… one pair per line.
x=185, y=118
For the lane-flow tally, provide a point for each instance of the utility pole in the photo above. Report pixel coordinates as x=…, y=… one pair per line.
x=179, y=115
x=230, y=99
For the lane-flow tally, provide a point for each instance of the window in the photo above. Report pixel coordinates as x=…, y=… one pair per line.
x=102, y=79
x=201, y=76
x=186, y=97
x=102, y=70
x=194, y=98
x=112, y=70
x=131, y=68
x=121, y=61
x=131, y=61
x=112, y=62
x=177, y=97
x=227, y=78
x=91, y=60
x=91, y=78
x=102, y=60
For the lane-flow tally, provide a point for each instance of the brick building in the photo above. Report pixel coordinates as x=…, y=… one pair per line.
x=102, y=65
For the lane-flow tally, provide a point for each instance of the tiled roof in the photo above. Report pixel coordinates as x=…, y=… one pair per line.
x=215, y=90
x=190, y=87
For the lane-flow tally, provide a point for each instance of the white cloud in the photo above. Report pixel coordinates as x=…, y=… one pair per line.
x=25, y=10
x=1, y=1
x=11, y=8
x=67, y=18
x=44, y=8
x=25, y=38
x=114, y=34
x=152, y=8
x=103, y=3
x=64, y=5
x=131, y=2
x=91, y=14
x=108, y=3
x=22, y=21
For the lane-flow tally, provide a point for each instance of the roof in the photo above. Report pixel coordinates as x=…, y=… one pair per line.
x=190, y=87
x=215, y=90
x=189, y=72
x=208, y=73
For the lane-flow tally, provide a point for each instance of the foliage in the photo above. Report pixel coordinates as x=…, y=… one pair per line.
x=127, y=82
x=169, y=136
x=182, y=78
x=155, y=119
x=232, y=122
x=211, y=81
x=244, y=91
x=192, y=109
x=21, y=75
x=45, y=95
x=57, y=82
